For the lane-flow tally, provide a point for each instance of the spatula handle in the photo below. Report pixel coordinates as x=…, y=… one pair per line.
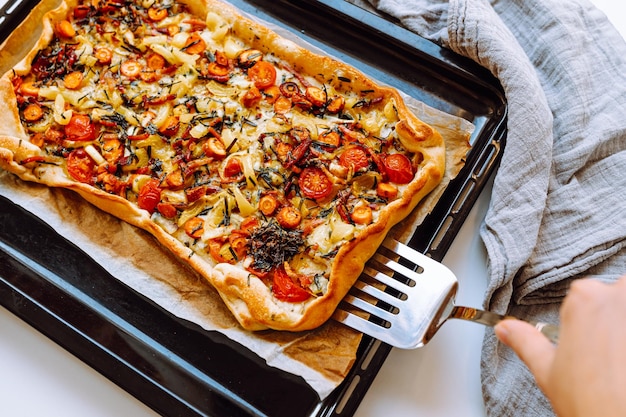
x=489, y=318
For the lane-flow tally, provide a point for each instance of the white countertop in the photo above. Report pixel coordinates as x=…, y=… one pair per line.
x=38, y=377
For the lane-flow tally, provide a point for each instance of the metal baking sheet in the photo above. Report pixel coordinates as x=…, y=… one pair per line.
x=154, y=355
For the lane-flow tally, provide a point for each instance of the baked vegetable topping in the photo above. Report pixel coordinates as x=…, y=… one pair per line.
x=230, y=150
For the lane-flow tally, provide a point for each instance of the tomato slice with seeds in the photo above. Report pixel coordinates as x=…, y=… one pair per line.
x=314, y=183
x=355, y=157
x=80, y=166
x=263, y=74
x=149, y=195
x=285, y=289
x=80, y=128
x=399, y=169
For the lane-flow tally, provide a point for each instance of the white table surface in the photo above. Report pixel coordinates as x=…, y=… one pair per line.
x=39, y=378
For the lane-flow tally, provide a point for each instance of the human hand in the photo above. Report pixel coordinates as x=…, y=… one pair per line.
x=585, y=374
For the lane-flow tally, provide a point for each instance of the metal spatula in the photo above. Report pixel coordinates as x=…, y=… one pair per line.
x=403, y=297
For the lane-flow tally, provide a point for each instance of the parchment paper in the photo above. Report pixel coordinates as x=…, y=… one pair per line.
x=322, y=357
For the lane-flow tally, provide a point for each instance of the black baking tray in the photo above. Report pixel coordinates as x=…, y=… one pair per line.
x=179, y=369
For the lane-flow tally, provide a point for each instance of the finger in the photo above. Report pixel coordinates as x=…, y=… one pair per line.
x=533, y=348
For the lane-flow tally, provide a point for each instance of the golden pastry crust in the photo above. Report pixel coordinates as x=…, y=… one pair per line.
x=250, y=295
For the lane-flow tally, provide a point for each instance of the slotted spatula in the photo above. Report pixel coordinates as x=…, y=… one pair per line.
x=403, y=297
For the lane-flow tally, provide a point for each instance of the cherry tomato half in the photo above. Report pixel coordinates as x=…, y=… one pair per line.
x=398, y=168
x=355, y=157
x=263, y=74
x=80, y=128
x=80, y=166
x=314, y=183
x=285, y=289
x=149, y=195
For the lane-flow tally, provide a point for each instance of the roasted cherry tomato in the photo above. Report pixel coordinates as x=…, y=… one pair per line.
x=149, y=195
x=314, y=183
x=263, y=74
x=80, y=128
x=285, y=289
x=355, y=157
x=80, y=166
x=398, y=168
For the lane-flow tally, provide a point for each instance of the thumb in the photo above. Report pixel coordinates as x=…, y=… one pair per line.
x=533, y=348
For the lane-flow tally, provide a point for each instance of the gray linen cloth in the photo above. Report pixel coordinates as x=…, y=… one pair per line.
x=558, y=204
